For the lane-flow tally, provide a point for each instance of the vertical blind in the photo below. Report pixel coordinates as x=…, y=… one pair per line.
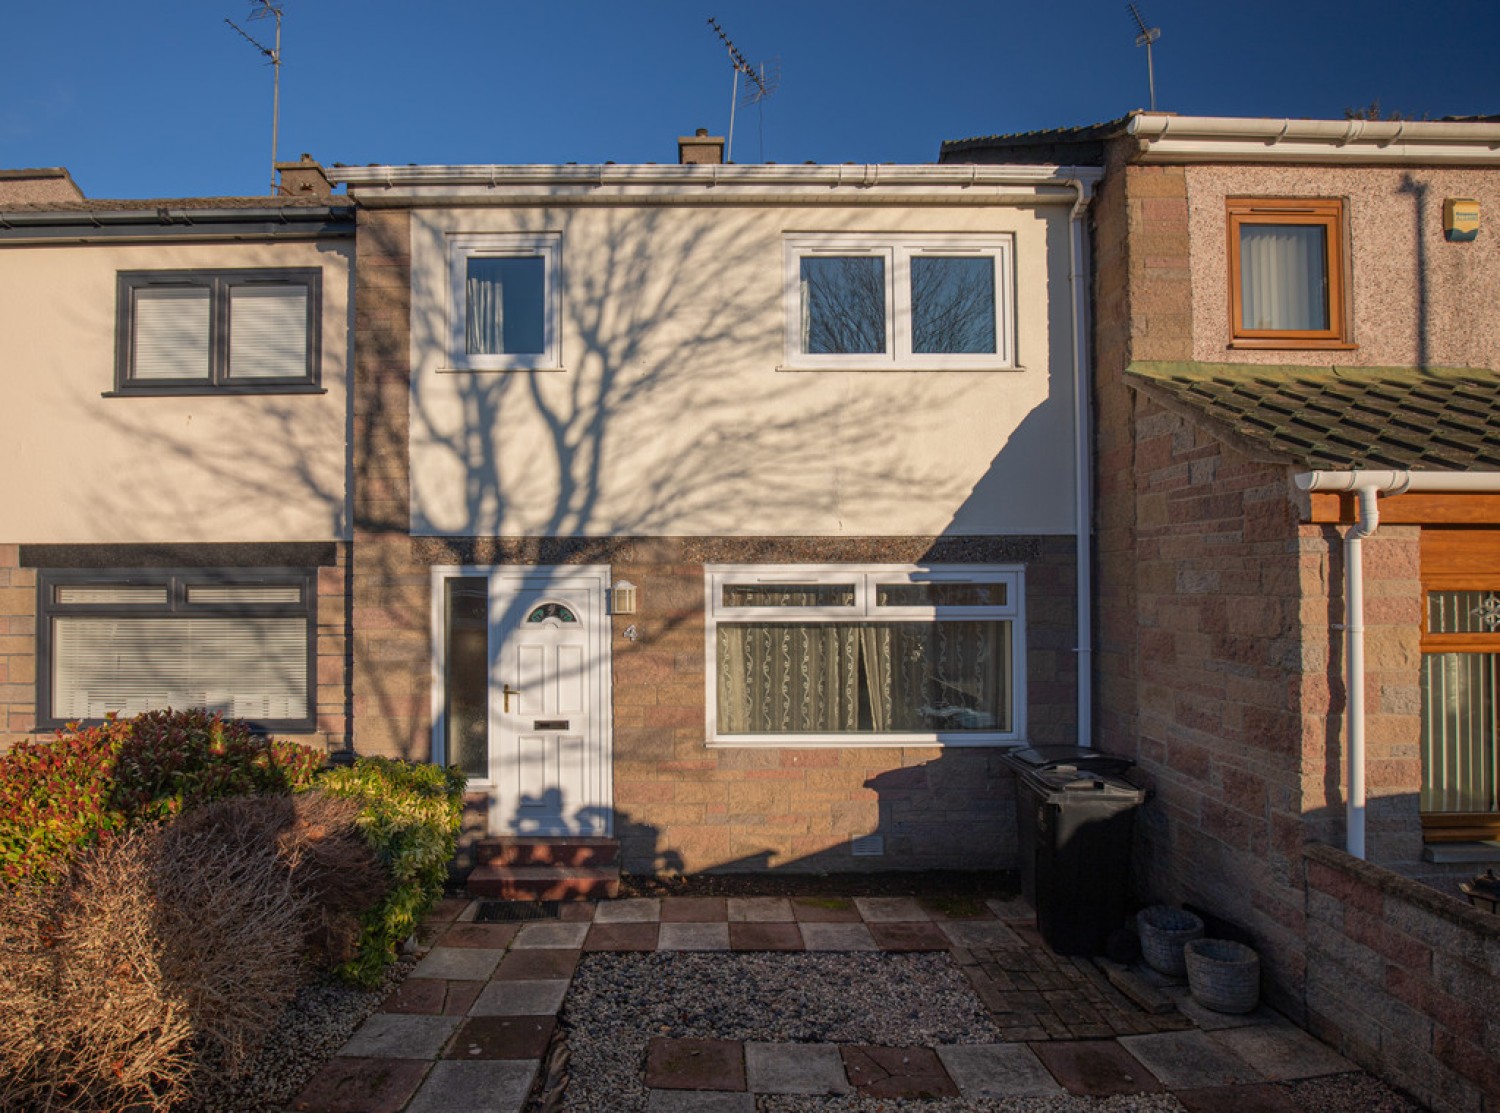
x=1459, y=768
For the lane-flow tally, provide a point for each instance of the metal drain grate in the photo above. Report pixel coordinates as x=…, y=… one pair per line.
x=514, y=911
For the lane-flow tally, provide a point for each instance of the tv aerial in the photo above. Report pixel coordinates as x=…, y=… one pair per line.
x=265, y=9
x=1147, y=36
x=760, y=83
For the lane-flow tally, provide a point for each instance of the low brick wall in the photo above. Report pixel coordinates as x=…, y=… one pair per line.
x=1405, y=981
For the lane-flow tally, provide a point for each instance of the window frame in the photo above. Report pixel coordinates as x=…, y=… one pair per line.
x=505, y=245
x=220, y=283
x=1327, y=213
x=898, y=251
x=866, y=578
x=177, y=582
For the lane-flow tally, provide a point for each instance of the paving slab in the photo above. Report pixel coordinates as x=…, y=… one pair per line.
x=1265, y=1097
x=1096, y=1068
x=348, y=1085
x=396, y=1036
x=540, y=963
x=890, y=910
x=471, y=964
x=825, y=910
x=897, y=1072
x=1210, y=1021
x=956, y=908
x=695, y=1064
x=631, y=910
x=479, y=935
x=1189, y=1060
x=795, y=1068
x=551, y=937
x=542, y=997
x=908, y=937
x=837, y=937
x=759, y=910
x=446, y=910
x=997, y=1070
x=1281, y=1052
x=693, y=910
x=765, y=937
x=502, y=1037
x=980, y=934
x=627, y=936
x=698, y=1101
x=576, y=911
x=431, y=997
x=1013, y=909
x=693, y=937
x=489, y=1086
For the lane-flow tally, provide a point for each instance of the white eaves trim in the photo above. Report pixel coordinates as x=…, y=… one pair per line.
x=1166, y=138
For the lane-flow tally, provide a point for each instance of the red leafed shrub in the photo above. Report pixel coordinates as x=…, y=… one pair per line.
x=65, y=793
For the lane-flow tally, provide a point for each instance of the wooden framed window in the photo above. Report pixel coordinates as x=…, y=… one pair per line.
x=1288, y=273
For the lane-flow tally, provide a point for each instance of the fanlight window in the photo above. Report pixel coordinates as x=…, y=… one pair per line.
x=555, y=612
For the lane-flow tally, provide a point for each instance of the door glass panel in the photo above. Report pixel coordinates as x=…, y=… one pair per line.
x=466, y=613
x=1459, y=768
x=1463, y=612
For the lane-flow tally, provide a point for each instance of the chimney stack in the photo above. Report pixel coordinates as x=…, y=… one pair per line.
x=304, y=178
x=701, y=149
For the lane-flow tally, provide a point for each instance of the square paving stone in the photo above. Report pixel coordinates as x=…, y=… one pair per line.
x=897, y=1072
x=576, y=911
x=361, y=1086
x=759, y=910
x=698, y=1101
x=479, y=935
x=502, y=1037
x=1281, y=1051
x=980, y=934
x=1189, y=1060
x=1209, y=1021
x=825, y=910
x=1267, y=1097
x=459, y=963
x=1013, y=909
x=633, y=910
x=431, y=997
x=908, y=937
x=529, y=965
x=543, y=997
x=693, y=910
x=693, y=937
x=890, y=910
x=956, y=908
x=695, y=1064
x=1096, y=1068
x=551, y=937
x=621, y=937
x=764, y=937
x=394, y=1036
x=488, y=1086
x=837, y=937
x=997, y=1070
x=795, y=1068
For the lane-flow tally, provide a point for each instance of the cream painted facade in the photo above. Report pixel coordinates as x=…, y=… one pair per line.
x=86, y=468
x=673, y=412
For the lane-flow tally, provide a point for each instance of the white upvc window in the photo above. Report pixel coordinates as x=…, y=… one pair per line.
x=869, y=655
x=931, y=302
x=505, y=301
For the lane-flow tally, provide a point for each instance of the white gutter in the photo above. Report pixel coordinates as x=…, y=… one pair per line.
x=1167, y=138
x=1368, y=486
x=1078, y=273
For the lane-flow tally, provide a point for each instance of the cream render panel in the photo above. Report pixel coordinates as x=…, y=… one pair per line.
x=82, y=467
x=674, y=413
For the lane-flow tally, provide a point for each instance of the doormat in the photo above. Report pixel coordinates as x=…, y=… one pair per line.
x=514, y=911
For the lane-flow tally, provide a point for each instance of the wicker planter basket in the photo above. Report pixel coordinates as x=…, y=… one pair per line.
x=1164, y=932
x=1223, y=976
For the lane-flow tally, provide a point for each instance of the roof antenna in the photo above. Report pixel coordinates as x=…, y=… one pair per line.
x=265, y=9
x=760, y=84
x=1147, y=36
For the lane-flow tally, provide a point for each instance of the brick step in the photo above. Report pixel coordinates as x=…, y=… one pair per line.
x=528, y=850
x=495, y=882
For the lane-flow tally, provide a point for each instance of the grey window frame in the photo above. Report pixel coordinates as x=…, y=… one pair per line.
x=177, y=582
x=219, y=283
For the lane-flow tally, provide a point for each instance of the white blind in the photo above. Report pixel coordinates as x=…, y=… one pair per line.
x=246, y=668
x=122, y=593
x=171, y=333
x=1283, y=279
x=267, y=332
x=245, y=593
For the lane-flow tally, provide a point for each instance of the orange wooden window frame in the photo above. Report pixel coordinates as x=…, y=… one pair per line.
x=1322, y=212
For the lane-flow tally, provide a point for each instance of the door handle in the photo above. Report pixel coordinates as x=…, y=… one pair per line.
x=505, y=693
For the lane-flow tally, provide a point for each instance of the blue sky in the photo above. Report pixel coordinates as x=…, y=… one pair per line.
x=160, y=98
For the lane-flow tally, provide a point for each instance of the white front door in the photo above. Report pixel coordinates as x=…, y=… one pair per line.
x=549, y=695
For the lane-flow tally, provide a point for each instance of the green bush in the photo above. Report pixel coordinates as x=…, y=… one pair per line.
x=411, y=815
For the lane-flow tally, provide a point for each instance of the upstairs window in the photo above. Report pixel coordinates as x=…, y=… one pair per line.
x=1286, y=273
x=232, y=331
x=505, y=302
x=909, y=303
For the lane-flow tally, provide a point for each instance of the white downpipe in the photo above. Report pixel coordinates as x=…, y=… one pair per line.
x=1368, y=486
x=1082, y=461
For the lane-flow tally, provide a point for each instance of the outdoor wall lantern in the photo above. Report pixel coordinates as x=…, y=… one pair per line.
x=623, y=598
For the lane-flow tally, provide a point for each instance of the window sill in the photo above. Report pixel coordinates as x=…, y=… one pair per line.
x=497, y=370
x=865, y=369
x=865, y=742
x=1293, y=345
x=210, y=391
x=1473, y=852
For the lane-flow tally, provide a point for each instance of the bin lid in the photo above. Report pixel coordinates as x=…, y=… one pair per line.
x=1064, y=759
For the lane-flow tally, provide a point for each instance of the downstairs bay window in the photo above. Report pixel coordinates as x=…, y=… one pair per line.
x=871, y=655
